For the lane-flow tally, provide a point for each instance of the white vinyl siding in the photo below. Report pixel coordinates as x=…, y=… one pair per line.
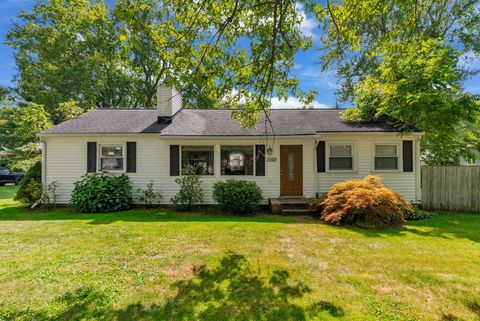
x=405, y=183
x=66, y=161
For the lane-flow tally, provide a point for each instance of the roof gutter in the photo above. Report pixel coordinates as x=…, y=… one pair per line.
x=92, y=134
x=384, y=133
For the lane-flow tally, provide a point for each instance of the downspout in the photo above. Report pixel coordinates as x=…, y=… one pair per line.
x=44, y=165
x=317, y=193
x=418, y=168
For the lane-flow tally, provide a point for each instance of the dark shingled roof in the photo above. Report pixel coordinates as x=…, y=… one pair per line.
x=212, y=122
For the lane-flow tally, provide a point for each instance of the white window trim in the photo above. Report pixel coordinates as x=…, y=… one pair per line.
x=195, y=145
x=99, y=157
x=399, y=157
x=354, y=158
x=242, y=176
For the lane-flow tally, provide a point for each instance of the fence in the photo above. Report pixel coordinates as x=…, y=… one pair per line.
x=454, y=188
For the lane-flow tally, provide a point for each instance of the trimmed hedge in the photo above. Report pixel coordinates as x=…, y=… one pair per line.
x=100, y=193
x=237, y=197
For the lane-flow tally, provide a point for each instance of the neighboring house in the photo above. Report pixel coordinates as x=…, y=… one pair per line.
x=470, y=162
x=302, y=152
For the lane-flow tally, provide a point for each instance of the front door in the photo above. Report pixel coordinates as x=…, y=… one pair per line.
x=291, y=170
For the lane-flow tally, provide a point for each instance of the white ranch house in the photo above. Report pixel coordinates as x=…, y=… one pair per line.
x=303, y=153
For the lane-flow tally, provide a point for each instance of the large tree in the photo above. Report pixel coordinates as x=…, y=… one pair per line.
x=68, y=50
x=219, y=53
x=395, y=58
x=406, y=60
x=358, y=31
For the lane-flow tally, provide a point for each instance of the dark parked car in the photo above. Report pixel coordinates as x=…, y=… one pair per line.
x=7, y=176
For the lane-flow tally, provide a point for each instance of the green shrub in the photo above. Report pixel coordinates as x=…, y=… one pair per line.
x=30, y=189
x=317, y=203
x=237, y=197
x=417, y=214
x=50, y=194
x=99, y=193
x=366, y=203
x=190, y=192
x=148, y=196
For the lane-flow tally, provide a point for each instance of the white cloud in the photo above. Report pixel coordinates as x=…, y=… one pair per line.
x=294, y=103
x=318, y=78
x=470, y=61
x=307, y=25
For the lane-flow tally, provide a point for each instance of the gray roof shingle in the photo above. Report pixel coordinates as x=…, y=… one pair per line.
x=212, y=122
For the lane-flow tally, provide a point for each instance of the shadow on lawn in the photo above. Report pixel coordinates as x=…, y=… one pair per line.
x=18, y=213
x=446, y=225
x=231, y=291
x=472, y=305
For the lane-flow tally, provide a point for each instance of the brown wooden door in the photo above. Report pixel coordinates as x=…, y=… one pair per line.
x=291, y=170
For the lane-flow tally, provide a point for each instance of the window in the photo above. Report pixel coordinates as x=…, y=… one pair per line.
x=340, y=157
x=199, y=158
x=237, y=160
x=386, y=157
x=111, y=157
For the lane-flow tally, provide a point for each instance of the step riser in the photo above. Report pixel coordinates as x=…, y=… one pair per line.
x=295, y=206
x=290, y=206
x=298, y=212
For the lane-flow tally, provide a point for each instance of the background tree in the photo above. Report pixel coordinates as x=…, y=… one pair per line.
x=419, y=85
x=68, y=50
x=66, y=111
x=357, y=32
x=225, y=53
x=407, y=60
x=219, y=53
x=19, y=127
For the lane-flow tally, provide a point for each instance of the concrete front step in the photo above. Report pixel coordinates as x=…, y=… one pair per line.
x=290, y=206
x=299, y=211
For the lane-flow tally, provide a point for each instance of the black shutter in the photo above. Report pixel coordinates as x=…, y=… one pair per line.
x=407, y=156
x=131, y=157
x=321, y=157
x=174, y=160
x=259, y=160
x=91, y=157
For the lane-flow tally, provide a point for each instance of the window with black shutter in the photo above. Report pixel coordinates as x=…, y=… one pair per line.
x=259, y=160
x=91, y=157
x=131, y=157
x=321, y=157
x=174, y=160
x=408, y=156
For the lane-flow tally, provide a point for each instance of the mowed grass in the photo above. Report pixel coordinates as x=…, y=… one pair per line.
x=56, y=264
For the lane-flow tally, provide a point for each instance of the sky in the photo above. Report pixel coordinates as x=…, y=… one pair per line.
x=306, y=66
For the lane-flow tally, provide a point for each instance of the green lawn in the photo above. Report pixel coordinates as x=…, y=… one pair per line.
x=161, y=265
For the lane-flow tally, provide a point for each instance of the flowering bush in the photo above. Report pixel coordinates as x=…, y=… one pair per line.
x=366, y=203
